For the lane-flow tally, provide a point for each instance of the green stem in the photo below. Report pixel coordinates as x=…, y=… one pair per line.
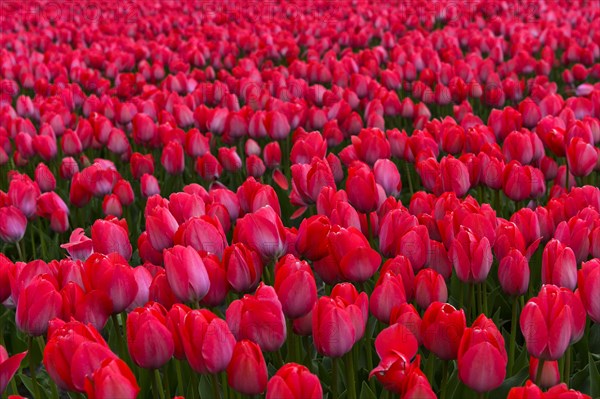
x=538, y=375
x=513, y=336
x=179, y=377
x=444, y=380
x=369, y=350
x=224, y=385
x=334, y=377
x=567, y=375
x=350, y=376
x=20, y=251
x=215, y=386
x=33, y=370
x=158, y=388
x=408, y=176
x=121, y=341
x=479, y=300
x=167, y=382
x=472, y=303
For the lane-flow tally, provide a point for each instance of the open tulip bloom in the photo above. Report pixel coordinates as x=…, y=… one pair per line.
x=300, y=199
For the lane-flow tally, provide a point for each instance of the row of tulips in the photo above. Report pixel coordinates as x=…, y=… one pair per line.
x=335, y=200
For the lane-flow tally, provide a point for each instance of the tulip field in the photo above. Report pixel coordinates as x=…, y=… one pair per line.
x=300, y=199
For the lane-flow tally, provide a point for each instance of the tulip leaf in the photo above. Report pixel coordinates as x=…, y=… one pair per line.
x=594, y=377
x=516, y=380
x=366, y=393
x=594, y=338
x=29, y=385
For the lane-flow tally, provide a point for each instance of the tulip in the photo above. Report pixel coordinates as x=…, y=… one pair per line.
x=10, y=365
x=243, y=267
x=454, y=176
x=308, y=180
x=124, y=192
x=247, y=371
x=294, y=381
x=219, y=286
x=401, y=234
x=546, y=323
x=513, y=273
x=351, y=251
x=332, y=328
x=472, y=257
x=111, y=235
x=312, y=237
x=559, y=266
x=13, y=224
x=581, y=157
x=589, y=288
x=295, y=286
x=258, y=317
x=39, y=302
x=529, y=391
x=407, y=315
x=113, y=276
x=149, y=341
x=522, y=182
x=362, y=188
x=149, y=186
x=44, y=178
x=442, y=329
x=388, y=294
x=549, y=376
x=429, y=287
x=387, y=175
x=186, y=273
x=207, y=341
x=482, y=357
x=112, y=380
x=263, y=232
x=141, y=164
x=161, y=227
x=561, y=391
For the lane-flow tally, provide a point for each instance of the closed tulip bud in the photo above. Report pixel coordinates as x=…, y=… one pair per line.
x=581, y=157
x=243, y=267
x=230, y=159
x=149, y=341
x=111, y=235
x=141, y=164
x=219, y=286
x=312, y=237
x=589, y=288
x=173, y=158
x=333, y=329
x=112, y=275
x=387, y=295
x=522, y=182
x=161, y=227
x=39, y=302
x=454, y=176
x=308, y=146
x=482, y=357
x=186, y=273
x=258, y=317
x=23, y=194
x=44, y=178
x=111, y=206
x=387, y=175
x=295, y=286
x=68, y=168
x=263, y=232
x=351, y=251
x=294, y=381
x=149, y=186
x=549, y=376
x=559, y=265
x=208, y=167
x=429, y=287
x=247, y=371
x=13, y=224
x=204, y=234
x=272, y=154
x=546, y=323
x=113, y=379
x=471, y=256
x=308, y=180
x=513, y=273
x=207, y=341
x=255, y=166
x=362, y=188
x=442, y=329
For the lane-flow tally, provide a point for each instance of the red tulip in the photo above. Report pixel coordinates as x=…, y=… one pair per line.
x=13, y=224
x=562, y=391
x=295, y=286
x=454, y=176
x=362, y=189
x=262, y=231
x=207, y=341
x=581, y=157
x=589, y=288
x=550, y=375
x=111, y=235
x=472, y=257
x=38, y=303
x=387, y=176
x=141, y=164
x=442, y=329
x=387, y=295
x=482, y=356
x=307, y=147
x=371, y=145
x=173, y=158
x=112, y=380
x=308, y=180
x=10, y=365
x=546, y=323
x=258, y=317
x=247, y=371
x=429, y=287
x=161, y=227
x=149, y=341
x=312, y=237
x=294, y=381
x=529, y=391
x=351, y=251
x=559, y=266
x=186, y=273
x=149, y=186
x=244, y=267
x=401, y=234
x=522, y=182
x=332, y=327
x=513, y=273
x=113, y=276
x=407, y=315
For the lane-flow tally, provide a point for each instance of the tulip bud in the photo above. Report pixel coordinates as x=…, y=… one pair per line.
x=549, y=376
x=442, y=329
x=294, y=381
x=149, y=341
x=247, y=371
x=39, y=302
x=186, y=273
x=429, y=287
x=295, y=286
